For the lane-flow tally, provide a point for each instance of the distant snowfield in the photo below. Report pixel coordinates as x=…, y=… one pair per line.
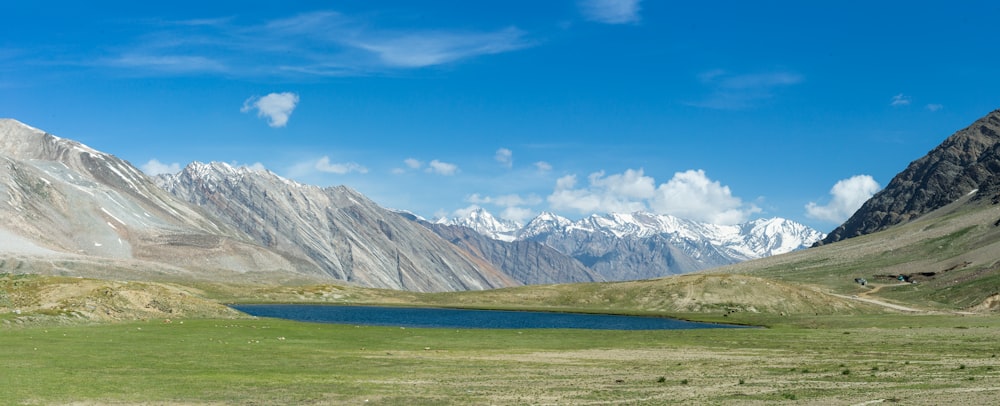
x=11, y=243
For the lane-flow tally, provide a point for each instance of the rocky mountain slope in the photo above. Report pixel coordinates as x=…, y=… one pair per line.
x=528, y=262
x=215, y=221
x=336, y=230
x=967, y=161
x=628, y=246
x=69, y=209
x=62, y=199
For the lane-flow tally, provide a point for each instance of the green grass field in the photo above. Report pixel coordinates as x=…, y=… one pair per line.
x=828, y=340
x=912, y=359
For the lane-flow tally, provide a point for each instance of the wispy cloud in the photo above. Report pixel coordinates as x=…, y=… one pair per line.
x=155, y=167
x=413, y=163
x=170, y=64
x=421, y=49
x=442, y=168
x=543, y=166
x=738, y=91
x=324, y=165
x=934, y=107
x=505, y=200
x=610, y=11
x=505, y=157
x=848, y=195
x=900, y=100
x=276, y=107
x=323, y=43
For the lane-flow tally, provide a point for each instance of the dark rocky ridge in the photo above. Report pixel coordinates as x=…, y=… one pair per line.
x=966, y=161
x=528, y=262
x=632, y=258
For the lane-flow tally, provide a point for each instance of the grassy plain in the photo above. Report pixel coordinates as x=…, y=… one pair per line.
x=913, y=359
x=828, y=339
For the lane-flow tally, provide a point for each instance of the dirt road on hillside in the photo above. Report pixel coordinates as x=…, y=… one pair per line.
x=866, y=297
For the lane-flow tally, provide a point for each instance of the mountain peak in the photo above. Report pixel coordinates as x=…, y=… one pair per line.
x=12, y=123
x=967, y=160
x=24, y=141
x=483, y=222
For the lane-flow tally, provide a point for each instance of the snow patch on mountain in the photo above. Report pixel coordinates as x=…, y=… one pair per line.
x=486, y=224
x=754, y=239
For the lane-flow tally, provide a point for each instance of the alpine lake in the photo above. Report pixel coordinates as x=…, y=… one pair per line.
x=422, y=317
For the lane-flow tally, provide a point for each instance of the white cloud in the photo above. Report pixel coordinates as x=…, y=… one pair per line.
x=442, y=168
x=511, y=203
x=477, y=199
x=256, y=166
x=543, y=166
x=465, y=212
x=413, y=163
x=518, y=214
x=900, y=100
x=505, y=157
x=324, y=165
x=155, y=167
x=848, y=195
x=934, y=107
x=694, y=196
x=610, y=11
x=631, y=184
x=690, y=195
x=276, y=107
x=626, y=193
x=731, y=91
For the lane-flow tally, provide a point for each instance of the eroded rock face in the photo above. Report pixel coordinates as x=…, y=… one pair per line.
x=966, y=161
x=60, y=198
x=336, y=230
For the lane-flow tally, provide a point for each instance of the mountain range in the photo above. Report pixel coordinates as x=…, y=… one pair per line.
x=627, y=246
x=75, y=210
x=335, y=230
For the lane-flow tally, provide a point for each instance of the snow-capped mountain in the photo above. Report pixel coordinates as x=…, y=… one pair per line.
x=622, y=246
x=486, y=224
x=753, y=239
x=543, y=223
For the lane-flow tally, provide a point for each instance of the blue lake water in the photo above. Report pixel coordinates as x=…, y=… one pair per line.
x=466, y=319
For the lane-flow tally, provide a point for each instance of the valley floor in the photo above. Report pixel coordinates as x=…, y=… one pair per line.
x=910, y=359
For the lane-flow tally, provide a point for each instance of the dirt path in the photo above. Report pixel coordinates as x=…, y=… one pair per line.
x=876, y=288
x=881, y=303
x=865, y=297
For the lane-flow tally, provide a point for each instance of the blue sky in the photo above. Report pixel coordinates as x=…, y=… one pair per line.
x=716, y=111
